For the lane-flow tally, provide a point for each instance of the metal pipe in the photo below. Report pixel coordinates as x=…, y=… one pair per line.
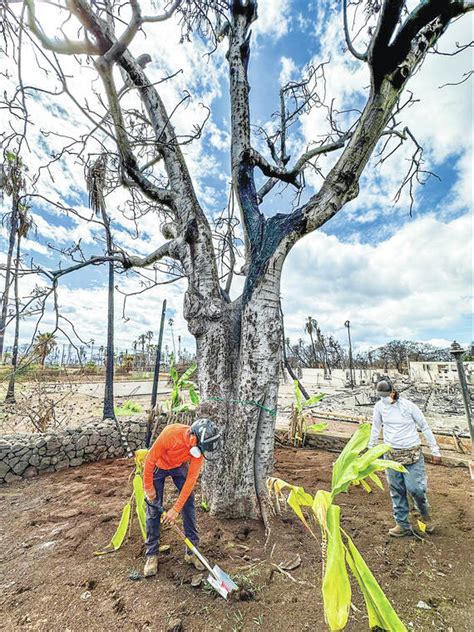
x=156, y=373
x=351, y=364
x=457, y=352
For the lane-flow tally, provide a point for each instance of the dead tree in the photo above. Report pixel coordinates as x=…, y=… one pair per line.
x=239, y=342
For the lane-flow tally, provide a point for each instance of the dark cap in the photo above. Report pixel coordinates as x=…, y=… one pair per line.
x=384, y=388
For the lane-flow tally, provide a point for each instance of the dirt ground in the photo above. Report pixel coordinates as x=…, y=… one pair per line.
x=50, y=579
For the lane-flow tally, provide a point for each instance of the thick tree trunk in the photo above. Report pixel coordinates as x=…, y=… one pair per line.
x=239, y=358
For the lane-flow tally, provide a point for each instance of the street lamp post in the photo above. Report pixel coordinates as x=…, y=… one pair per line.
x=457, y=352
x=351, y=364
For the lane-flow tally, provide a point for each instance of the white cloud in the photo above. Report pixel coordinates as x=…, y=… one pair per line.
x=288, y=69
x=273, y=17
x=416, y=281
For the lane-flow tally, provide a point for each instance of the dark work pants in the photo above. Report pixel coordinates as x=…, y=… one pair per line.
x=155, y=509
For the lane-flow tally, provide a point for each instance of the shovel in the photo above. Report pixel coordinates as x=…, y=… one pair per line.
x=220, y=581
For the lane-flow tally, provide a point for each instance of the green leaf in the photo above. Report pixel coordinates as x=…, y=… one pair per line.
x=380, y=610
x=194, y=397
x=181, y=408
x=365, y=485
x=120, y=533
x=321, y=503
x=299, y=498
x=313, y=399
x=298, y=396
x=11, y=157
x=336, y=585
x=373, y=477
x=140, y=503
x=321, y=427
x=344, y=470
x=187, y=374
x=371, y=455
x=173, y=373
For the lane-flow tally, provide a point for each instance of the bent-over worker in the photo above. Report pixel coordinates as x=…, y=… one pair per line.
x=401, y=419
x=177, y=452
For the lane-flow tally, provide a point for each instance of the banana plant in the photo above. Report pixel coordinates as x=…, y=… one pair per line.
x=181, y=383
x=137, y=501
x=355, y=466
x=297, y=423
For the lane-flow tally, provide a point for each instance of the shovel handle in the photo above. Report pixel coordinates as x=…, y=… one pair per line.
x=192, y=548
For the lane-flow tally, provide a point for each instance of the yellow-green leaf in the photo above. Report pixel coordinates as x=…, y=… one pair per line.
x=380, y=610
x=120, y=533
x=299, y=498
x=140, y=503
x=373, y=477
x=336, y=585
x=321, y=427
x=344, y=470
x=321, y=503
x=365, y=485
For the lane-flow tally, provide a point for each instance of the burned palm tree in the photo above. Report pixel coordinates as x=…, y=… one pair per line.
x=11, y=183
x=24, y=223
x=96, y=183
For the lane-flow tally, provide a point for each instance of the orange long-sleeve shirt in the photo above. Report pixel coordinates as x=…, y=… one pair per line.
x=171, y=450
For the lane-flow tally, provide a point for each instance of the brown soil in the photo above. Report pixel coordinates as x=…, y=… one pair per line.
x=50, y=579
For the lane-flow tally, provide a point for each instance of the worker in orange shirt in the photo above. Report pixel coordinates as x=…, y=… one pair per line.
x=177, y=452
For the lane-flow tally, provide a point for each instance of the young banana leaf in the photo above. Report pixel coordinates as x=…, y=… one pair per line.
x=380, y=611
x=313, y=399
x=120, y=533
x=352, y=467
x=336, y=584
x=296, y=499
x=140, y=503
x=298, y=396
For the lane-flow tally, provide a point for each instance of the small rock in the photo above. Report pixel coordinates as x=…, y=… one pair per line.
x=196, y=580
x=423, y=605
x=86, y=595
x=47, y=545
x=134, y=576
x=30, y=472
x=10, y=477
x=82, y=441
x=292, y=565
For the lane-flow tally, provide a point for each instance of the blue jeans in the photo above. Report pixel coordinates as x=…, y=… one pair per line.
x=155, y=509
x=412, y=482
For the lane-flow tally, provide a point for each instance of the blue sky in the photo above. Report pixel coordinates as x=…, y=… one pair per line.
x=393, y=275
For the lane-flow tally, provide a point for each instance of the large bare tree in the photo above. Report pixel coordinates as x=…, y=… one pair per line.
x=239, y=341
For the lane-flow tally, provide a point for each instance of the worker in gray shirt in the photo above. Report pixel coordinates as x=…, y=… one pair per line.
x=401, y=420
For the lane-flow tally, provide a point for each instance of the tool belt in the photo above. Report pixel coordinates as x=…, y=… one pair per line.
x=406, y=456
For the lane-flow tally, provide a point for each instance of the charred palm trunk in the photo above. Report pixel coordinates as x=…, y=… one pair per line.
x=6, y=291
x=10, y=396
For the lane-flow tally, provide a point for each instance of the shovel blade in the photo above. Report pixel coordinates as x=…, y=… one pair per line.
x=218, y=587
x=221, y=582
x=224, y=579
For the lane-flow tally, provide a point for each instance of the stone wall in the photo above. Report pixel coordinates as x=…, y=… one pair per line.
x=25, y=455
